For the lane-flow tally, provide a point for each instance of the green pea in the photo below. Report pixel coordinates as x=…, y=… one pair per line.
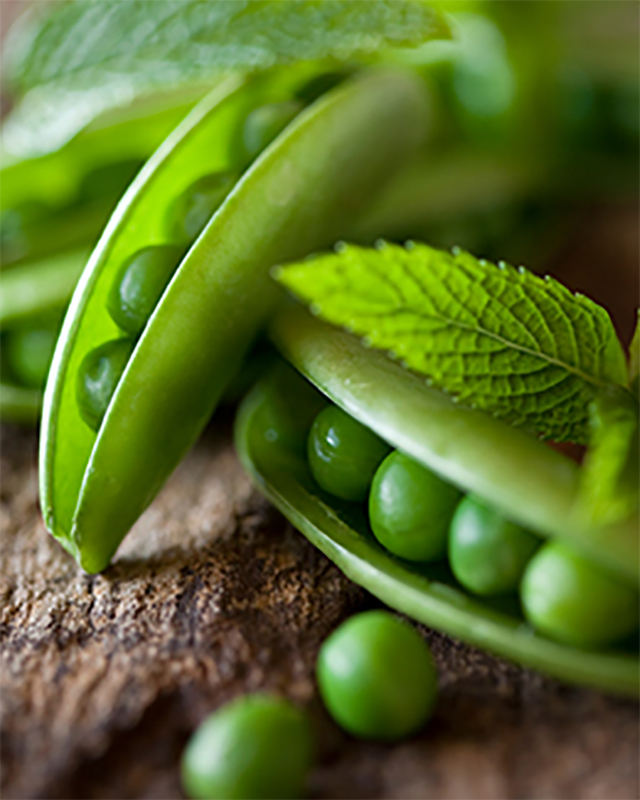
x=98, y=376
x=487, y=553
x=264, y=124
x=139, y=285
x=29, y=354
x=410, y=509
x=343, y=454
x=376, y=677
x=568, y=598
x=191, y=211
x=259, y=746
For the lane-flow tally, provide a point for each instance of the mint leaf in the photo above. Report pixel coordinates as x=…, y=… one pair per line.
x=84, y=41
x=499, y=339
x=610, y=475
x=86, y=57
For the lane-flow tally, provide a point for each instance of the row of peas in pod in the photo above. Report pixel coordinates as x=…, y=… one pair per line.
x=419, y=517
x=144, y=275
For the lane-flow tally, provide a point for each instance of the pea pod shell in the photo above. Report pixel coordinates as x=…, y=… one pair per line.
x=527, y=481
x=298, y=196
x=274, y=457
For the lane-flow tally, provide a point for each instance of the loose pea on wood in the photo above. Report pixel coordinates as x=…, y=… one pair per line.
x=257, y=746
x=376, y=677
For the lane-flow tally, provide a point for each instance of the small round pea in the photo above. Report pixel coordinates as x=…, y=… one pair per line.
x=343, y=454
x=191, y=210
x=264, y=124
x=487, y=553
x=98, y=376
x=258, y=746
x=410, y=509
x=139, y=285
x=376, y=677
x=571, y=599
x=29, y=354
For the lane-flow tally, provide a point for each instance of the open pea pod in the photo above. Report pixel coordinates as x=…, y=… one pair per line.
x=302, y=192
x=513, y=471
x=32, y=301
x=61, y=198
x=271, y=431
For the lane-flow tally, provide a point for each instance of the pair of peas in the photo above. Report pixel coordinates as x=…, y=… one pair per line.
x=419, y=517
x=377, y=680
x=144, y=276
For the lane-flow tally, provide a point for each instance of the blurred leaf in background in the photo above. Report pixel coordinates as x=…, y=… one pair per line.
x=77, y=59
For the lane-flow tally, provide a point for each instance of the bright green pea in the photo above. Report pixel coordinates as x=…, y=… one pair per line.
x=139, y=285
x=410, y=509
x=571, y=599
x=487, y=553
x=264, y=124
x=343, y=454
x=98, y=376
x=376, y=677
x=29, y=354
x=258, y=746
x=191, y=211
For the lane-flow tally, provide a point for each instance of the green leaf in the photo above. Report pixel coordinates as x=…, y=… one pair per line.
x=610, y=474
x=177, y=40
x=498, y=339
x=88, y=56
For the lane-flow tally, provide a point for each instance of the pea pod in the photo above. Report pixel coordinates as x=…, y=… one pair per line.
x=271, y=431
x=32, y=301
x=59, y=199
x=527, y=481
x=302, y=192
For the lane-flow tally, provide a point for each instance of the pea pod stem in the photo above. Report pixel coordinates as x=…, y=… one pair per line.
x=273, y=455
x=527, y=481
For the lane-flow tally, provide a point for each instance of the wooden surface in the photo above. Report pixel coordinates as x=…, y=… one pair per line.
x=213, y=595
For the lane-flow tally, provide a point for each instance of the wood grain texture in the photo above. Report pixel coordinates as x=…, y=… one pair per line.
x=213, y=595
